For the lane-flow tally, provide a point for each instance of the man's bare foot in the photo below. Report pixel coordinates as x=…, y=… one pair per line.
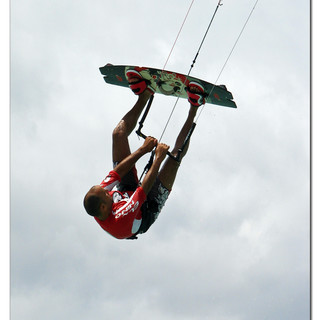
x=133, y=80
x=194, y=89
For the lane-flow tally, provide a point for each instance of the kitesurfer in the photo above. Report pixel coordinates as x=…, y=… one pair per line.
x=120, y=205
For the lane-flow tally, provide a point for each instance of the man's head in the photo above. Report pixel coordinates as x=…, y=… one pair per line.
x=98, y=203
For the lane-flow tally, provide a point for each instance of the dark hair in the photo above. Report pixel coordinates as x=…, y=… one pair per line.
x=92, y=204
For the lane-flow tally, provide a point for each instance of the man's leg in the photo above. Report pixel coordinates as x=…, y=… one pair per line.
x=169, y=170
x=120, y=143
x=163, y=185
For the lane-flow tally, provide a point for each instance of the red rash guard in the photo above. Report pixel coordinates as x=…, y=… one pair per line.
x=125, y=218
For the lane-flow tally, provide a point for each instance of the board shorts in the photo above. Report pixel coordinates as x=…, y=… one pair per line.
x=156, y=199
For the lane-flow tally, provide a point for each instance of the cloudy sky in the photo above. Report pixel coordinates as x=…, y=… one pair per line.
x=232, y=242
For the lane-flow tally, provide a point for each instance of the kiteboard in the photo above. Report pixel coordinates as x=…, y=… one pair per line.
x=168, y=83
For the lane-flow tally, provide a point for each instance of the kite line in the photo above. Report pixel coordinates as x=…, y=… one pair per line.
x=193, y=61
x=191, y=67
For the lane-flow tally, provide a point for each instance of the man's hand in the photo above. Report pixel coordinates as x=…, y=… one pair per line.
x=161, y=151
x=149, y=144
x=126, y=164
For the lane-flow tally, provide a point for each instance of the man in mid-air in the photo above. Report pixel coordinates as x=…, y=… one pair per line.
x=132, y=207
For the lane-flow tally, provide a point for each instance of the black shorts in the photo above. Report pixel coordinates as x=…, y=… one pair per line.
x=152, y=207
x=156, y=199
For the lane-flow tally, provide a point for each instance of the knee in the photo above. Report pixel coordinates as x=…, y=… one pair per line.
x=179, y=153
x=119, y=131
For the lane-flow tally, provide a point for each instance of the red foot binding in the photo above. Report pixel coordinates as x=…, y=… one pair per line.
x=197, y=96
x=137, y=83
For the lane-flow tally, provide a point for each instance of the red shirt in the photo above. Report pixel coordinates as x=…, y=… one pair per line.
x=125, y=218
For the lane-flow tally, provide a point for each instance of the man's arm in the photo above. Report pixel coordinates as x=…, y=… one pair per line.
x=152, y=174
x=126, y=164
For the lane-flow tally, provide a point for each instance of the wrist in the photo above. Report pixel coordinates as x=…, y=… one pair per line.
x=142, y=150
x=157, y=162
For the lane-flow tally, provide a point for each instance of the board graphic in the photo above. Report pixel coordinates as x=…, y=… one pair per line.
x=168, y=83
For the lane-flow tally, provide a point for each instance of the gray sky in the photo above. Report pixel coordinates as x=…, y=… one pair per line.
x=232, y=242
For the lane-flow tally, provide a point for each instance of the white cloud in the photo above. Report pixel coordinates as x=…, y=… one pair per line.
x=233, y=240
